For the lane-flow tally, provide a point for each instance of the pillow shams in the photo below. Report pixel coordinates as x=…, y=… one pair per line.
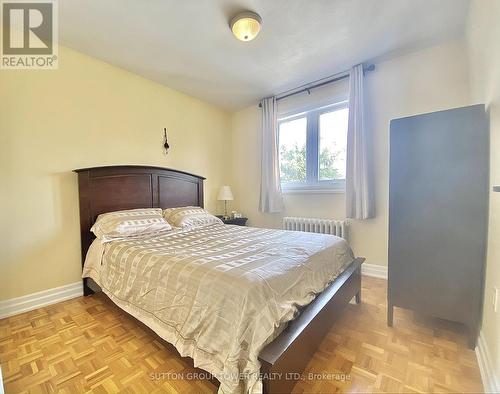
x=129, y=223
x=189, y=217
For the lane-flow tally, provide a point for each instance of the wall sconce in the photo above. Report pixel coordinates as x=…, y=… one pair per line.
x=166, y=146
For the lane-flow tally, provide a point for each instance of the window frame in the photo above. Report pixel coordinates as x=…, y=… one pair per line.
x=312, y=184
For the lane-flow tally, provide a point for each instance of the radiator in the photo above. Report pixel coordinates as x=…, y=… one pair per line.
x=311, y=225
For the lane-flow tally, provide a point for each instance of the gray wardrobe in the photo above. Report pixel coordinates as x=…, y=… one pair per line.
x=438, y=212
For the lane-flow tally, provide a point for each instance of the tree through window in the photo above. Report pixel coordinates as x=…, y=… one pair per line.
x=312, y=149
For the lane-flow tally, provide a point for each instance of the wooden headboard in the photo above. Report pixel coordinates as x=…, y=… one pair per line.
x=114, y=188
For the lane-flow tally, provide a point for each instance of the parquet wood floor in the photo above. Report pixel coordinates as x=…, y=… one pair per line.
x=88, y=344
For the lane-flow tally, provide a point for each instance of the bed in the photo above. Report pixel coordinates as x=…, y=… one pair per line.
x=298, y=330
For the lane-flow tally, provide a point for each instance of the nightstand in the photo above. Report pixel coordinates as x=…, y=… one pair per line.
x=235, y=221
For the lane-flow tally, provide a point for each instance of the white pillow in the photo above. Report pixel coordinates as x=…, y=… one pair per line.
x=189, y=217
x=130, y=223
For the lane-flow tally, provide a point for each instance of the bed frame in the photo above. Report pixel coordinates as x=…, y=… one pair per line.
x=106, y=189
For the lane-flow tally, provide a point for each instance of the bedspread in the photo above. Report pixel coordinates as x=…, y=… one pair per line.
x=219, y=293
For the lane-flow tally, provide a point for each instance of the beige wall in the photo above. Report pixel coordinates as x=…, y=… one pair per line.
x=86, y=113
x=424, y=81
x=483, y=35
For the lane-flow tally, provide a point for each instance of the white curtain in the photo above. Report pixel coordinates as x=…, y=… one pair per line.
x=359, y=191
x=270, y=188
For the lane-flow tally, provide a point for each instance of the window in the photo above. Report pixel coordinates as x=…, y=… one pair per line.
x=312, y=149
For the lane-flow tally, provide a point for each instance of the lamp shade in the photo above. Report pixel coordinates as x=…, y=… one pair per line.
x=225, y=194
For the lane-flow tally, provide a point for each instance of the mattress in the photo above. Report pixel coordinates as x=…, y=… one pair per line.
x=218, y=293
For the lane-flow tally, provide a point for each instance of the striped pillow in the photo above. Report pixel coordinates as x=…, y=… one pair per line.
x=189, y=217
x=130, y=223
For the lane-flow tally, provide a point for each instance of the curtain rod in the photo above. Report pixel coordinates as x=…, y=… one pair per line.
x=318, y=83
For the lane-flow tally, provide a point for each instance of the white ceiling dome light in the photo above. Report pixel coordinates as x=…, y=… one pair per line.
x=246, y=25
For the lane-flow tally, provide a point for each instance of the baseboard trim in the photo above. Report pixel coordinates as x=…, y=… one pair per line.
x=491, y=382
x=1, y=381
x=374, y=270
x=39, y=299
x=26, y=303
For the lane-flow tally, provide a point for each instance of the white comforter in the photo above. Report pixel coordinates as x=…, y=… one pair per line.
x=218, y=293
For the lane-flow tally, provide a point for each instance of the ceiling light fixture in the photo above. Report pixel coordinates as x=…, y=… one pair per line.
x=246, y=25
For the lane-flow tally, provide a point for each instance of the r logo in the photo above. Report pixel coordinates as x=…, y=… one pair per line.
x=29, y=34
x=27, y=28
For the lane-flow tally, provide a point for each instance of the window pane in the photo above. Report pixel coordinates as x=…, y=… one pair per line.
x=292, y=149
x=332, y=144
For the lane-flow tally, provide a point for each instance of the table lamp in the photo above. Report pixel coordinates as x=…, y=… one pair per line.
x=225, y=194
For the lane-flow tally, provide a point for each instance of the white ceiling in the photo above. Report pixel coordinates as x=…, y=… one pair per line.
x=187, y=44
